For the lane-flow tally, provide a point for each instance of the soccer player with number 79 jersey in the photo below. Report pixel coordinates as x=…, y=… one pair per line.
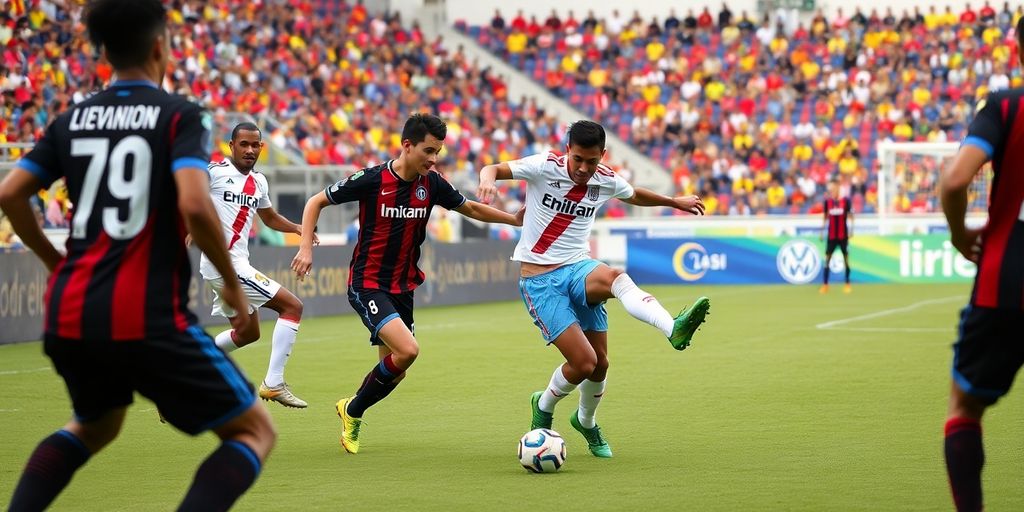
x=563, y=288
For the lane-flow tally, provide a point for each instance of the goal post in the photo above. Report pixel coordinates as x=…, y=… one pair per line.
x=908, y=180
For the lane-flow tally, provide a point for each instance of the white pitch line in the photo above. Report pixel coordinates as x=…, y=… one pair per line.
x=893, y=329
x=18, y=372
x=886, y=312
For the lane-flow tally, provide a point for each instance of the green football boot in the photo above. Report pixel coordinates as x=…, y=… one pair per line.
x=595, y=441
x=687, y=323
x=541, y=419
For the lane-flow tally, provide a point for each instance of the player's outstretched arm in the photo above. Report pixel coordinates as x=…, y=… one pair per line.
x=303, y=260
x=274, y=220
x=15, y=191
x=482, y=212
x=644, y=197
x=953, y=185
x=488, y=175
x=202, y=223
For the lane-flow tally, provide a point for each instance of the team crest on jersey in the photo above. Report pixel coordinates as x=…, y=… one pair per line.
x=555, y=184
x=593, y=192
x=421, y=193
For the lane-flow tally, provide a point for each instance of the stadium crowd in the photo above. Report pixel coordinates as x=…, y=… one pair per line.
x=754, y=115
x=757, y=114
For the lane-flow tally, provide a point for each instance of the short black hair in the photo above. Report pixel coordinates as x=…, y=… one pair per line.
x=126, y=29
x=419, y=125
x=247, y=126
x=1020, y=36
x=586, y=134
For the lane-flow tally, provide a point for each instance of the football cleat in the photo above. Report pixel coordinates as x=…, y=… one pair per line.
x=847, y=289
x=823, y=290
x=282, y=395
x=595, y=441
x=687, y=323
x=540, y=419
x=349, y=426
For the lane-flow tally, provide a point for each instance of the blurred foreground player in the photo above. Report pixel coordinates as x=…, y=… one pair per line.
x=990, y=348
x=134, y=158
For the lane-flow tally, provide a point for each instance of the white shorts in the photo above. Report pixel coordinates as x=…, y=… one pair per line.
x=258, y=288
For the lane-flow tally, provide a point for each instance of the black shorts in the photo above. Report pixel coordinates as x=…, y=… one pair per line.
x=376, y=308
x=195, y=386
x=989, y=351
x=830, y=247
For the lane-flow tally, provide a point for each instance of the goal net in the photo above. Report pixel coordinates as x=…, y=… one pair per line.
x=908, y=179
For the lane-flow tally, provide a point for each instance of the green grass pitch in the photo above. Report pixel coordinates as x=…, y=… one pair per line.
x=767, y=410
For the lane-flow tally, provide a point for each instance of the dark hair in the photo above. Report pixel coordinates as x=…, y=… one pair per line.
x=126, y=29
x=586, y=134
x=247, y=126
x=419, y=125
x=1020, y=36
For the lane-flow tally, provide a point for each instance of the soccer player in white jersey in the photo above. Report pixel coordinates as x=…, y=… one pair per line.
x=563, y=289
x=238, y=191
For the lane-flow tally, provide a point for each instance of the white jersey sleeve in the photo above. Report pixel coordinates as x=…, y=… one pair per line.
x=261, y=183
x=559, y=213
x=529, y=168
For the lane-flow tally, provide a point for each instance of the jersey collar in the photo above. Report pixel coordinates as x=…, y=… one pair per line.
x=134, y=83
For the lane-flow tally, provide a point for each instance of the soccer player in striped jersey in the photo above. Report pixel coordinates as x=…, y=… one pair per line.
x=395, y=199
x=564, y=290
x=838, y=224
x=239, y=193
x=117, y=320
x=989, y=350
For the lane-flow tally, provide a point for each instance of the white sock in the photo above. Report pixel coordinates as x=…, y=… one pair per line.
x=642, y=305
x=226, y=341
x=557, y=389
x=281, y=347
x=590, y=397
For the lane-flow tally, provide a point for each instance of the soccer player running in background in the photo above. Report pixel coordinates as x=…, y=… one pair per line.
x=117, y=321
x=395, y=199
x=838, y=223
x=563, y=289
x=238, y=191
x=989, y=350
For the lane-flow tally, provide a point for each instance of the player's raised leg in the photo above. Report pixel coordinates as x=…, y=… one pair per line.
x=605, y=282
x=56, y=459
x=274, y=387
x=584, y=419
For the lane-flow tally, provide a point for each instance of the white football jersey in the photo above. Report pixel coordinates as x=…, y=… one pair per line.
x=236, y=197
x=560, y=213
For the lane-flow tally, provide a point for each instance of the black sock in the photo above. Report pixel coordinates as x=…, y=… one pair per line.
x=965, y=457
x=48, y=471
x=222, y=478
x=827, y=270
x=847, y=274
x=377, y=385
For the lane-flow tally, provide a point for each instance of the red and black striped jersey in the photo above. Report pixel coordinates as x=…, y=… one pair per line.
x=393, y=215
x=837, y=211
x=126, y=272
x=998, y=130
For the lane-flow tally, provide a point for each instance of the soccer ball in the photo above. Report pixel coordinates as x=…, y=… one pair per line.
x=542, y=451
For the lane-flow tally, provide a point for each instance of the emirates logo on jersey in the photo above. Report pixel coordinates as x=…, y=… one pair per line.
x=240, y=199
x=567, y=206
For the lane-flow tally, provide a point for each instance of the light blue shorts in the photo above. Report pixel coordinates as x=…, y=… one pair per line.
x=558, y=299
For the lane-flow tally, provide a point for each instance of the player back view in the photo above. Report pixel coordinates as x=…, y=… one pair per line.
x=117, y=321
